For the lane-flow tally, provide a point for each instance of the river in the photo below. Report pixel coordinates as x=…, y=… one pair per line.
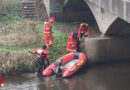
x=107, y=76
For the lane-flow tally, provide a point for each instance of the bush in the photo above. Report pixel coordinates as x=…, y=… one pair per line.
x=16, y=41
x=22, y=34
x=11, y=61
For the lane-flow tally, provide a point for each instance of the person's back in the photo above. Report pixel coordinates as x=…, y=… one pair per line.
x=72, y=43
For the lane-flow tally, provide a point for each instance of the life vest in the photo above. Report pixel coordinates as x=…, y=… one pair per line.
x=47, y=28
x=41, y=53
x=71, y=44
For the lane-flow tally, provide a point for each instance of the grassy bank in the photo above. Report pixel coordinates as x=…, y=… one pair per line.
x=16, y=41
x=10, y=12
x=18, y=36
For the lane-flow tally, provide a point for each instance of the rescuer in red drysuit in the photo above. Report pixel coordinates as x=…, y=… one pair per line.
x=73, y=42
x=48, y=32
x=42, y=55
x=83, y=30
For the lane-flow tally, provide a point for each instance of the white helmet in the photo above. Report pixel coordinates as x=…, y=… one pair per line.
x=39, y=51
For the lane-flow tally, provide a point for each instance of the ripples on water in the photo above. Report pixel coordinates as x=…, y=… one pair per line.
x=95, y=77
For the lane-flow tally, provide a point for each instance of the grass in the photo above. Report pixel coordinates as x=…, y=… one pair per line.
x=59, y=43
x=66, y=27
x=22, y=34
x=10, y=12
x=16, y=61
x=18, y=36
x=27, y=35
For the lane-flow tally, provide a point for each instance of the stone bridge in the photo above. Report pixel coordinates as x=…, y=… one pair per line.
x=107, y=13
x=112, y=17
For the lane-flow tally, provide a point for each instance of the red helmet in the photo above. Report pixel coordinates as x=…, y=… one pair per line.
x=51, y=19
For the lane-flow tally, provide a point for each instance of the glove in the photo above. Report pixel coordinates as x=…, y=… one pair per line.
x=30, y=52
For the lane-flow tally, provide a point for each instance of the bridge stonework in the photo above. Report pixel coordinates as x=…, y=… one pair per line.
x=107, y=13
x=57, y=9
x=53, y=7
x=112, y=16
x=119, y=8
x=110, y=13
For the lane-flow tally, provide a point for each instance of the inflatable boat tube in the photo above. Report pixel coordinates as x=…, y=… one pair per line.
x=68, y=64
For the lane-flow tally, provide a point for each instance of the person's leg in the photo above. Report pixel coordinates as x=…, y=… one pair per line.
x=51, y=40
x=43, y=66
x=47, y=40
x=40, y=66
x=82, y=35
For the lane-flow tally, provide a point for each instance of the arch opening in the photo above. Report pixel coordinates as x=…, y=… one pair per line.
x=79, y=11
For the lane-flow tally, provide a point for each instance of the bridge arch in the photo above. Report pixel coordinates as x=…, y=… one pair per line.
x=77, y=10
x=108, y=23
x=86, y=10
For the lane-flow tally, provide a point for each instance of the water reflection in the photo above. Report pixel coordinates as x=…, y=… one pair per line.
x=52, y=83
x=96, y=77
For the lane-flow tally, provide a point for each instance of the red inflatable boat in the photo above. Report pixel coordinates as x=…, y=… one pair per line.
x=67, y=64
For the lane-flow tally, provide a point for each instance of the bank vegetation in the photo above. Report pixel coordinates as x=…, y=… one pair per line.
x=22, y=37
x=18, y=36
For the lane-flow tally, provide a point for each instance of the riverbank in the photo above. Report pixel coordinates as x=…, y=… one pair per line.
x=24, y=36
x=16, y=41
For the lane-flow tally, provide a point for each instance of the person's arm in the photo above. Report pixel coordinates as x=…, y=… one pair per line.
x=33, y=52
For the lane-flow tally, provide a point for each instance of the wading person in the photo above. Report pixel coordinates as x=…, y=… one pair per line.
x=73, y=44
x=83, y=30
x=48, y=32
x=43, y=57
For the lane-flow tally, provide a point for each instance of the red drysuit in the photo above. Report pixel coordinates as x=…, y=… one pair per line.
x=42, y=58
x=72, y=43
x=48, y=34
x=83, y=30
